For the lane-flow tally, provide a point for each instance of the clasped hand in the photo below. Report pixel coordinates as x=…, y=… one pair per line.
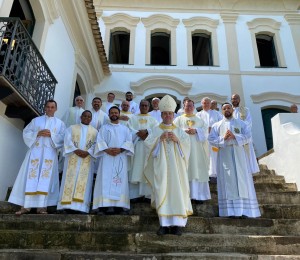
x=191, y=131
x=44, y=133
x=113, y=151
x=229, y=135
x=81, y=153
x=169, y=136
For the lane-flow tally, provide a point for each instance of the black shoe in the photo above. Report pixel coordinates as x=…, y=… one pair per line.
x=110, y=211
x=162, y=231
x=124, y=212
x=175, y=230
x=243, y=217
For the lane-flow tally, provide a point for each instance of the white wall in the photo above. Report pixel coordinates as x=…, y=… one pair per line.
x=60, y=57
x=286, y=139
x=12, y=153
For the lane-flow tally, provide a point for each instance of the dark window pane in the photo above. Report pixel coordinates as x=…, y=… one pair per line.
x=202, y=54
x=160, y=49
x=266, y=51
x=119, y=48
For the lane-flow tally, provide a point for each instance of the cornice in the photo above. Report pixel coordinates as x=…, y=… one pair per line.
x=200, y=21
x=229, y=17
x=271, y=96
x=160, y=81
x=262, y=22
x=158, y=19
x=293, y=18
x=121, y=19
x=219, y=98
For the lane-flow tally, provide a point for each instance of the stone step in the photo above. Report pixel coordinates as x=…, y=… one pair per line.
x=266, y=187
x=8, y=254
x=149, y=242
x=267, y=178
x=274, y=211
x=136, y=224
x=287, y=207
x=216, y=243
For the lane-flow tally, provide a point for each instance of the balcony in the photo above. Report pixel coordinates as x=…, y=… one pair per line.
x=26, y=81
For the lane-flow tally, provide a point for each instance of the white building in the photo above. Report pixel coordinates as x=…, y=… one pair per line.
x=184, y=48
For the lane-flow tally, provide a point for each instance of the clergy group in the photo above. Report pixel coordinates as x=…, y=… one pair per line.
x=160, y=156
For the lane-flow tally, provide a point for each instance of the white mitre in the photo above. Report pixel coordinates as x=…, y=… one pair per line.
x=167, y=103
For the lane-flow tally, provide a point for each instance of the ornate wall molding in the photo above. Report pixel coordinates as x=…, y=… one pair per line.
x=158, y=82
x=271, y=96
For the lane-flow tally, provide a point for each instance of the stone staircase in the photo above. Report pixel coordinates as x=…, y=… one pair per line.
x=276, y=235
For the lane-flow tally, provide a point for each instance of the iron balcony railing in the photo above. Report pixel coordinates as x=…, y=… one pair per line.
x=22, y=65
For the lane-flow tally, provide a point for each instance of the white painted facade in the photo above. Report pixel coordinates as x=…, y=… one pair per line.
x=229, y=76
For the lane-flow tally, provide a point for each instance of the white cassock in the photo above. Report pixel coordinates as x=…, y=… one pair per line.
x=236, y=193
x=137, y=183
x=37, y=183
x=166, y=171
x=77, y=180
x=134, y=107
x=243, y=113
x=199, y=160
x=106, y=106
x=156, y=114
x=211, y=117
x=99, y=118
x=72, y=116
x=111, y=187
x=128, y=114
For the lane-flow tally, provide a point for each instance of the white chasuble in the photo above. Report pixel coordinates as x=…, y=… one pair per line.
x=111, y=187
x=166, y=171
x=99, y=118
x=136, y=123
x=77, y=177
x=38, y=175
x=198, y=161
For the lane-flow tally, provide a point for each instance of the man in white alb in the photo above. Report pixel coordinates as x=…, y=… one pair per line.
x=236, y=193
x=73, y=114
x=134, y=107
x=125, y=114
x=140, y=125
x=155, y=112
x=77, y=180
x=99, y=117
x=243, y=113
x=210, y=117
x=198, y=168
x=109, y=103
x=113, y=146
x=37, y=183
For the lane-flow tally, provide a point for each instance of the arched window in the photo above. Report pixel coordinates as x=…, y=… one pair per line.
x=119, y=47
x=160, y=48
x=202, y=51
x=266, y=50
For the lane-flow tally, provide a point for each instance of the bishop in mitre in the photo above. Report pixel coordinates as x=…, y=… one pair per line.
x=166, y=171
x=77, y=180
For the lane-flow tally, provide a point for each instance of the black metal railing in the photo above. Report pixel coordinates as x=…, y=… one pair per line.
x=23, y=66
